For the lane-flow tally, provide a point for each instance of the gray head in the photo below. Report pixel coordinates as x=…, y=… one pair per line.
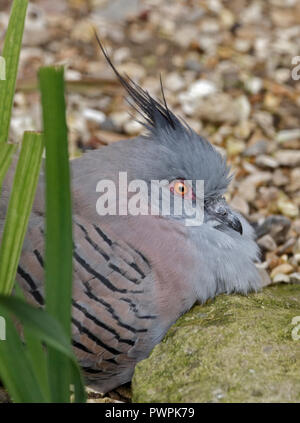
x=171, y=150
x=175, y=152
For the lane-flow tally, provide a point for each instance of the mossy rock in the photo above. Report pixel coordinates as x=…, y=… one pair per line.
x=233, y=349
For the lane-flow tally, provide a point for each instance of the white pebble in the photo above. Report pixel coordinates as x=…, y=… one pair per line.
x=94, y=115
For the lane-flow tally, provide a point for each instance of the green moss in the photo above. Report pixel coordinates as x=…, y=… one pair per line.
x=232, y=349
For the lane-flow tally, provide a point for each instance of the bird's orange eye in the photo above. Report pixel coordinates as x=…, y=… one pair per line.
x=180, y=188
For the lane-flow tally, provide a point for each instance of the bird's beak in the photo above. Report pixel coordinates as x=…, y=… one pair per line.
x=233, y=222
x=219, y=211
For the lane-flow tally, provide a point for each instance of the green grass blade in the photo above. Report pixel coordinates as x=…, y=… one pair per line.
x=36, y=355
x=58, y=220
x=11, y=53
x=15, y=369
x=39, y=321
x=77, y=380
x=44, y=327
x=35, y=351
x=6, y=154
x=19, y=208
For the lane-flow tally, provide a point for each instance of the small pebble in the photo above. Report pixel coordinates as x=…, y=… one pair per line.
x=94, y=115
x=287, y=208
x=266, y=161
x=267, y=243
x=260, y=147
x=280, y=277
x=295, y=277
x=287, y=135
x=238, y=203
x=284, y=269
x=290, y=158
x=132, y=127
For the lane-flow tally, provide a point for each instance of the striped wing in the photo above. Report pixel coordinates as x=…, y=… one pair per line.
x=112, y=298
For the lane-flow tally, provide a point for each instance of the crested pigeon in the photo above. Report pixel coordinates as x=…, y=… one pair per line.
x=134, y=275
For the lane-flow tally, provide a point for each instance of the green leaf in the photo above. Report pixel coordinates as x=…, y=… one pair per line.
x=43, y=327
x=58, y=219
x=19, y=208
x=11, y=53
x=6, y=154
x=36, y=354
x=16, y=370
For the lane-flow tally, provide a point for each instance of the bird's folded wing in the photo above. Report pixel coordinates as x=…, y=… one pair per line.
x=113, y=293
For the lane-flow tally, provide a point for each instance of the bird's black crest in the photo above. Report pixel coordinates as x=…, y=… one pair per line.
x=156, y=114
x=193, y=154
